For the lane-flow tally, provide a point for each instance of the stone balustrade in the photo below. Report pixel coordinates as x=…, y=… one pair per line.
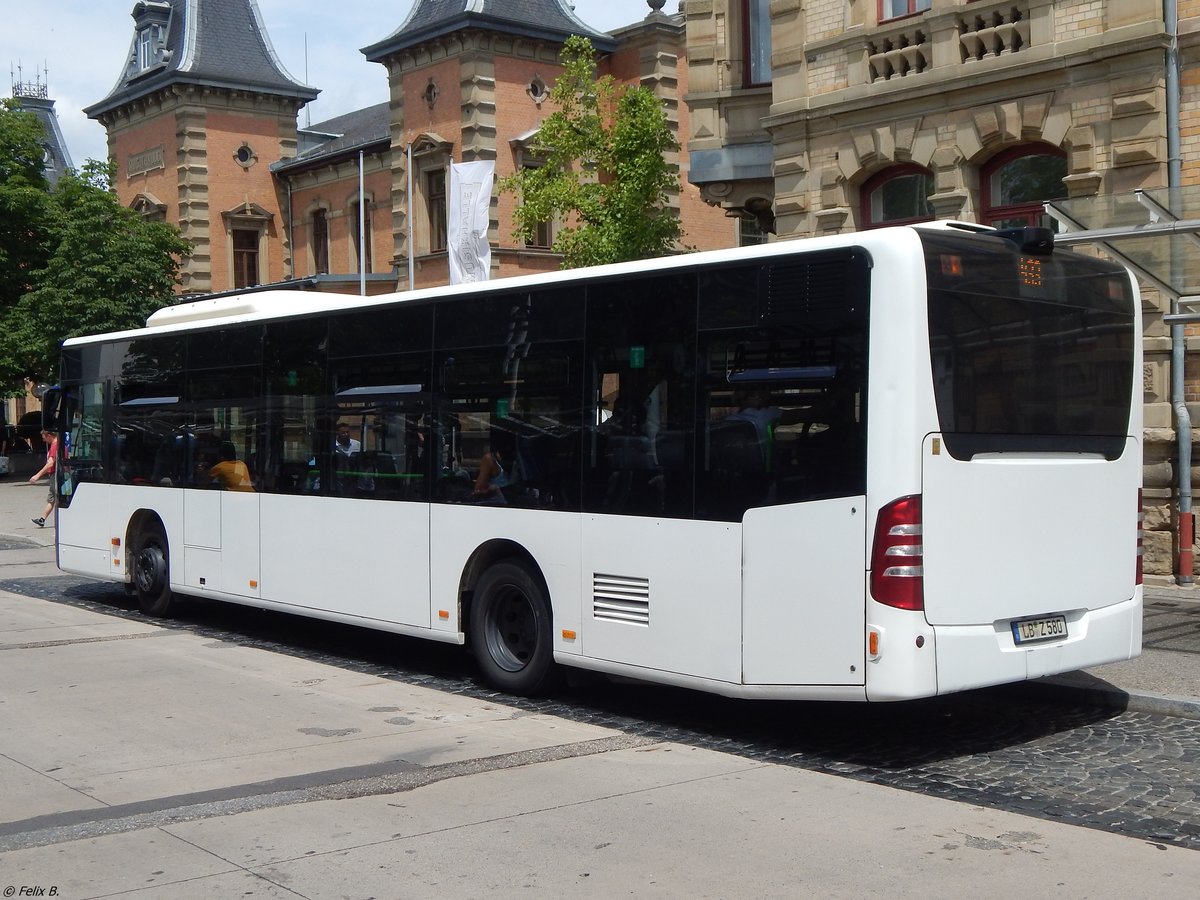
x=895, y=56
x=964, y=36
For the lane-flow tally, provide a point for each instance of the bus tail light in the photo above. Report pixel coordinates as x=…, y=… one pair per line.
x=897, y=556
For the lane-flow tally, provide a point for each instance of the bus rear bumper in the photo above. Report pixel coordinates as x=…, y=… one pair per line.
x=974, y=656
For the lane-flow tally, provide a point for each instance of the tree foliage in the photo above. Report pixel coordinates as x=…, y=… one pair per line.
x=98, y=266
x=24, y=193
x=604, y=175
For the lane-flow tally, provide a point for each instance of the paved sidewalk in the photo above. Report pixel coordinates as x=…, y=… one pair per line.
x=20, y=501
x=1165, y=679
x=138, y=761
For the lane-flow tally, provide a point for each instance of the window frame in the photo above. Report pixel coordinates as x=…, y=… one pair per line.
x=148, y=40
x=543, y=232
x=246, y=261
x=1031, y=211
x=436, y=190
x=318, y=242
x=876, y=182
x=913, y=8
x=750, y=234
x=427, y=222
x=756, y=30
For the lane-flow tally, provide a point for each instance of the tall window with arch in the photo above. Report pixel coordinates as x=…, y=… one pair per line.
x=542, y=236
x=435, y=200
x=1015, y=183
x=898, y=195
x=245, y=257
x=320, y=242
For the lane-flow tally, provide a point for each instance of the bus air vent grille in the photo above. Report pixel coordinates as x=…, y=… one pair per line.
x=619, y=598
x=797, y=292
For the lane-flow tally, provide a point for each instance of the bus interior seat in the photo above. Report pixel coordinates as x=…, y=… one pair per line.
x=737, y=469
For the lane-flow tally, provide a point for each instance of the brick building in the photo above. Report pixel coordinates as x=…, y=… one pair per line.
x=203, y=125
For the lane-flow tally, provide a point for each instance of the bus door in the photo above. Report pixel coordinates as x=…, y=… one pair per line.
x=804, y=525
x=221, y=537
x=221, y=532
x=783, y=453
x=221, y=511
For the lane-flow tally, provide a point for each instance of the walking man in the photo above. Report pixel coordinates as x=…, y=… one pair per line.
x=51, y=440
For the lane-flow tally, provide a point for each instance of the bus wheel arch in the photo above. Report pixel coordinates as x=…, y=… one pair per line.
x=149, y=564
x=509, y=620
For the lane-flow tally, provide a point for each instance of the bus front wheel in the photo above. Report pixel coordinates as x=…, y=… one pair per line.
x=152, y=574
x=510, y=630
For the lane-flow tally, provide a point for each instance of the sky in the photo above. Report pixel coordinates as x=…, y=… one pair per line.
x=77, y=48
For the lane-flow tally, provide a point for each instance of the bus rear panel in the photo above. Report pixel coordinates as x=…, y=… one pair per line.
x=1021, y=545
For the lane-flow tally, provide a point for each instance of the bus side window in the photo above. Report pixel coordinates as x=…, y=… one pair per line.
x=641, y=345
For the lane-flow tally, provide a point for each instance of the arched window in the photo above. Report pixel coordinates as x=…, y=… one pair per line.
x=319, y=242
x=897, y=196
x=1016, y=182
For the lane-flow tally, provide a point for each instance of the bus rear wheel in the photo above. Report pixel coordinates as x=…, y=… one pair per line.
x=152, y=574
x=510, y=630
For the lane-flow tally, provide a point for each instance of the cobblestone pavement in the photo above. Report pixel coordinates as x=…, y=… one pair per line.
x=1011, y=749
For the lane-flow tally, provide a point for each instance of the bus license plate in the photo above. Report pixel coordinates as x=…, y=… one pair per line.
x=1047, y=628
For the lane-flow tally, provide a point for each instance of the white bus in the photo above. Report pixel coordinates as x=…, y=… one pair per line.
x=873, y=466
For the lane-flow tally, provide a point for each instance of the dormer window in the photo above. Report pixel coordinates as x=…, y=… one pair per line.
x=151, y=18
x=149, y=46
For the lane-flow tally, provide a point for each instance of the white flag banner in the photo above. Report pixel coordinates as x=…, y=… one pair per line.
x=469, y=204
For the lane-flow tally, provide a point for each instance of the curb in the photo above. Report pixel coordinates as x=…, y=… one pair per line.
x=1091, y=691
x=25, y=539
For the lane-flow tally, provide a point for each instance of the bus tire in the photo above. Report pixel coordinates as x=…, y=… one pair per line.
x=152, y=574
x=510, y=630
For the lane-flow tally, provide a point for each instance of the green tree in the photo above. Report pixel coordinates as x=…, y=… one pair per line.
x=23, y=199
x=604, y=174
x=106, y=269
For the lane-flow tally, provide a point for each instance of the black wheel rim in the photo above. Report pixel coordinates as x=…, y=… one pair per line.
x=149, y=571
x=511, y=630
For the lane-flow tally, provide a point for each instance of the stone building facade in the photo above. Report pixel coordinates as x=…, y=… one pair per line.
x=860, y=101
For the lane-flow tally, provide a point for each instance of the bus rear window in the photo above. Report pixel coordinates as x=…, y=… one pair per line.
x=1029, y=352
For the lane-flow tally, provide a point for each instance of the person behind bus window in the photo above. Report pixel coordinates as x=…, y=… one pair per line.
x=51, y=441
x=493, y=476
x=343, y=444
x=231, y=473
x=753, y=408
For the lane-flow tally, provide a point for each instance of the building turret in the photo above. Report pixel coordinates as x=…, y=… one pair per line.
x=34, y=97
x=201, y=108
